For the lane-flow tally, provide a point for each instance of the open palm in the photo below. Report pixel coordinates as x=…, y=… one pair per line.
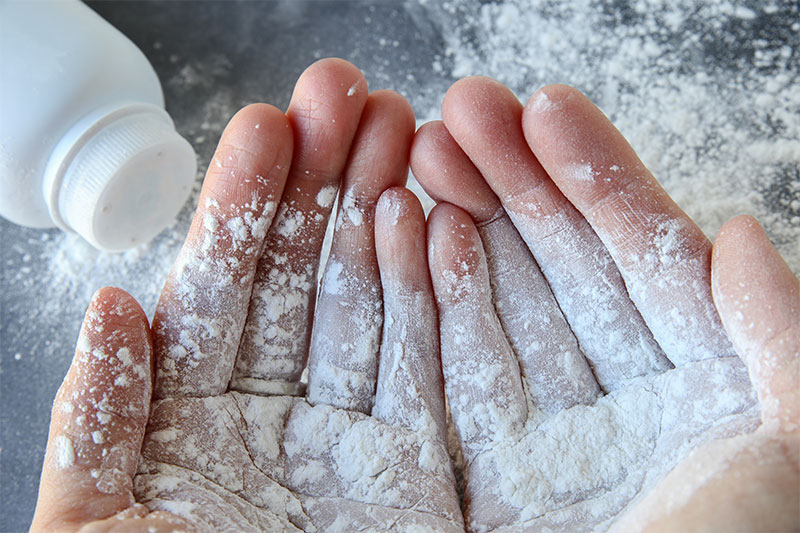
x=582, y=352
x=234, y=440
x=581, y=345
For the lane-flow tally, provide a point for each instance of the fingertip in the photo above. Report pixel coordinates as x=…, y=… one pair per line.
x=398, y=206
x=468, y=99
x=470, y=87
x=336, y=68
x=378, y=160
x=382, y=143
x=485, y=118
x=400, y=240
x=550, y=98
x=115, y=319
x=447, y=174
x=425, y=157
x=253, y=154
x=331, y=79
x=455, y=255
x=256, y=114
x=734, y=230
x=258, y=126
x=117, y=302
x=396, y=107
x=557, y=115
x=751, y=282
x=324, y=112
x=429, y=135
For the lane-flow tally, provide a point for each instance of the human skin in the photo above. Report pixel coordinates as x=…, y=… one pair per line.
x=208, y=401
x=742, y=263
x=547, y=208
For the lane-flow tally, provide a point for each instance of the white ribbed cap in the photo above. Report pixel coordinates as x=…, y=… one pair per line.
x=127, y=181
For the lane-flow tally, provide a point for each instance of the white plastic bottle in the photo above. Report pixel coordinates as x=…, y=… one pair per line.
x=85, y=142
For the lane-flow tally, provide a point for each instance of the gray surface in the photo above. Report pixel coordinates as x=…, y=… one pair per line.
x=214, y=57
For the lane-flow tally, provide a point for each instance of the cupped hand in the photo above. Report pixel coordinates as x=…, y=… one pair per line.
x=582, y=351
x=202, y=422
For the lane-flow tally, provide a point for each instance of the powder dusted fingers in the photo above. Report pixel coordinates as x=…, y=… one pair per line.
x=481, y=374
x=343, y=356
x=552, y=365
x=324, y=114
x=662, y=255
x=482, y=379
x=98, y=417
x=201, y=313
x=485, y=119
x=410, y=390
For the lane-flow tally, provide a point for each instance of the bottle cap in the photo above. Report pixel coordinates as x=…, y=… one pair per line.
x=124, y=179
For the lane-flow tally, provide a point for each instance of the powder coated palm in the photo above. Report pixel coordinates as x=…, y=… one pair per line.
x=582, y=352
x=232, y=441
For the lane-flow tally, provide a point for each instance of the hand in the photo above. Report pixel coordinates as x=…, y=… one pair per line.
x=233, y=442
x=582, y=352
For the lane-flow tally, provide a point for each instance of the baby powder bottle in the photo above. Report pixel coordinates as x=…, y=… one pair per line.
x=85, y=142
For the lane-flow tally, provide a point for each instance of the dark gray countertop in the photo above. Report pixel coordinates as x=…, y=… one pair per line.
x=212, y=58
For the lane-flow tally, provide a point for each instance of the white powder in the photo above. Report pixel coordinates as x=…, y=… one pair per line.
x=326, y=195
x=353, y=212
x=65, y=453
x=124, y=356
x=277, y=463
x=582, y=172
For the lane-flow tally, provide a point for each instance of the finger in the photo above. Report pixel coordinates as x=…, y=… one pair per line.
x=324, y=113
x=98, y=418
x=447, y=174
x=552, y=365
x=343, y=357
x=410, y=390
x=758, y=299
x=200, y=316
x=481, y=375
x=485, y=119
x=662, y=255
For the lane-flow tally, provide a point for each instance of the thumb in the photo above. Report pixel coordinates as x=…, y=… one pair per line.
x=98, y=417
x=758, y=299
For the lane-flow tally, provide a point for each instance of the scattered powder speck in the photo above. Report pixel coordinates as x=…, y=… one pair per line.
x=582, y=172
x=326, y=195
x=124, y=356
x=352, y=90
x=65, y=453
